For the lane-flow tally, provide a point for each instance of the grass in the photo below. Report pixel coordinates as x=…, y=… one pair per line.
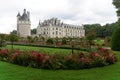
x=99, y=41
x=41, y=49
x=14, y=72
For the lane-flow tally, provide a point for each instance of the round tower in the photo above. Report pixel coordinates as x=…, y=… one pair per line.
x=23, y=24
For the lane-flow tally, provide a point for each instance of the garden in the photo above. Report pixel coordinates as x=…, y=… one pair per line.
x=16, y=72
x=80, y=60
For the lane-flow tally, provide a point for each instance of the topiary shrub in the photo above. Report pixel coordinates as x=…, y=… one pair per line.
x=49, y=41
x=64, y=41
x=115, y=41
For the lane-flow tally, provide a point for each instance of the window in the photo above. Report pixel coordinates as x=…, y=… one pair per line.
x=44, y=33
x=56, y=28
x=56, y=33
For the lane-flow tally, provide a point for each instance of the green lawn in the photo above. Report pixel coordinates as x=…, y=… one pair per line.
x=100, y=42
x=41, y=49
x=14, y=72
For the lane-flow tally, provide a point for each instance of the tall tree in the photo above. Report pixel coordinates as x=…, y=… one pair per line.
x=115, y=41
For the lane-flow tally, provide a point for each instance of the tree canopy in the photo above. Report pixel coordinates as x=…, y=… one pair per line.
x=101, y=31
x=116, y=3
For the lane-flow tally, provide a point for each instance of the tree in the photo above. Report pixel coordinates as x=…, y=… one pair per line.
x=36, y=38
x=2, y=40
x=101, y=31
x=33, y=31
x=64, y=41
x=56, y=41
x=72, y=44
x=90, y=37
x=30, y=39
x=14, y=32
x=117, y=5
x=13, y=38
x=115, y=41
x=49, y=41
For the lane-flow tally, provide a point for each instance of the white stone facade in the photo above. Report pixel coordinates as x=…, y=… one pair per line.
x=23, y=24
x=53, y=28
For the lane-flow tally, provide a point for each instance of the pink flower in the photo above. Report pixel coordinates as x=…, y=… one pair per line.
x=45, y=58
x=15, y=55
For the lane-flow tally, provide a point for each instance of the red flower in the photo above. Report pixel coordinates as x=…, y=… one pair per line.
x=14, y=55
x=82, y=55
x=86, y=60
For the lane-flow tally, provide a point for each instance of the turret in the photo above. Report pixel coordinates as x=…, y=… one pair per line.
x=24, y=11
x=18, y=16
x=23, y=24
x=28, y=14
x=39, y=23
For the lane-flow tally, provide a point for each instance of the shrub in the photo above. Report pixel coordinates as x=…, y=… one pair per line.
x=115, y=41
x=64, y=41
x=99, y=58
x=20, y=58
x=110, y=58
x=4, y=54
x=49, y=41
x=36, y=59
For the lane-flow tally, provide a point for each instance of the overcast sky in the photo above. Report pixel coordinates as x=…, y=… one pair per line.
x=69, y=11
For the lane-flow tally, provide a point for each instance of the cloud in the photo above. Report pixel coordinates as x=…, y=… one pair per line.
x=70, y=11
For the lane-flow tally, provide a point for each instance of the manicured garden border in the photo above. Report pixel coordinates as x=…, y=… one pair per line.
x=99, y=58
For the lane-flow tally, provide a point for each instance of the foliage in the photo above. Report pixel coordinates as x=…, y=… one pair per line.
x=117, y=5
x=13, y=38
x=81, y=60
x=64, y=41
x=36, y=38
x=4, y=54
x=116, y=38
x=90, y=37
x=33, y=31
x=2, y=40
x=49, y=41
x=14, y=32
x=101, y=31
x=30, y=39
x=107, y=41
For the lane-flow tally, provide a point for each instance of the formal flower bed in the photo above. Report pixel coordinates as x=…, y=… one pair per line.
x=99, y=58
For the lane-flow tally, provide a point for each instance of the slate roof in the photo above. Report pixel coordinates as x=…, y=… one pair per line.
x=24, y=17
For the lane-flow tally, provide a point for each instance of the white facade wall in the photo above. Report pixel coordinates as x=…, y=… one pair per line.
x=50, y=31
x=60, y=31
